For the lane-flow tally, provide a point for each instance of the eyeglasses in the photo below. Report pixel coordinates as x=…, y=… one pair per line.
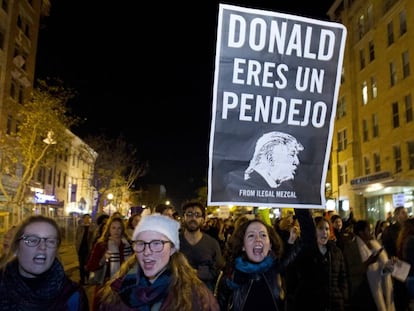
x=33, y=241
x=155, y=246
x=191, y=214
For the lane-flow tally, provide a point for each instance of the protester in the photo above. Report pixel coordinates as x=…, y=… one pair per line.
x=165, y=209
x=212, y=228
x=83, y=243
x=318, y=274
x=380, y=225
x=34, y=279
x=339, y=231
x=368, y=268
x=390, y=233
x=101, y=221
x=405, y=251
x=133, y=220
x=252, y=278
x=389, y=240
x=159, y=276
x=108, y=253
x=202, y=251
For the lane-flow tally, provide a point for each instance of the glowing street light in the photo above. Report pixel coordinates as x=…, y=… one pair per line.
x=49, y=140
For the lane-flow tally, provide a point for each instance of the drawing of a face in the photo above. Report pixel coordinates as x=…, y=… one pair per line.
x=275, y=158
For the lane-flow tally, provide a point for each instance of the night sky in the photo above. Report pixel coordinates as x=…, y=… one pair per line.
x=145, y=71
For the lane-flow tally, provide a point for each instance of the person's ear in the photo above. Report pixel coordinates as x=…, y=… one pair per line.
x=172, y=251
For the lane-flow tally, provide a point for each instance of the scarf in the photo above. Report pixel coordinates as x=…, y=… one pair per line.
x=43, y=293
x=115, y=259
x=250, y=268
x=380, y=284
x=145, y=293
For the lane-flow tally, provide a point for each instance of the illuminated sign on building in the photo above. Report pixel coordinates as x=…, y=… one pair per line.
x=371, y=178
x=44, y=198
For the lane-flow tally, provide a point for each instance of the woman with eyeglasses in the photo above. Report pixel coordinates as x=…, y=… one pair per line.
x=33, y=277
x=159, y=276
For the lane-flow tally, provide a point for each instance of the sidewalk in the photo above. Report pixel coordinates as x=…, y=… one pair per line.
x=69, y=258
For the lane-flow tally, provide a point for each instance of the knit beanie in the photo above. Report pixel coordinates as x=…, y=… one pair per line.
x=159, y=223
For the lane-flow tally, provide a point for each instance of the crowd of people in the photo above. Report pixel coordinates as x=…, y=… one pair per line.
x=160, y=261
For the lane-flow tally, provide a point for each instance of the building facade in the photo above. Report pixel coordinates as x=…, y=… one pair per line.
x=372, y=158
x=64, y=186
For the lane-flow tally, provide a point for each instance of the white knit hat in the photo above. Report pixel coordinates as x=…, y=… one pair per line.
x=159, y=223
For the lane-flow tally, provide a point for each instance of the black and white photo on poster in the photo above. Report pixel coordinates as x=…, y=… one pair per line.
x=276, y=84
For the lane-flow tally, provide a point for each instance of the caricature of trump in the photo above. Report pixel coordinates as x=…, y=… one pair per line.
x=275, y=158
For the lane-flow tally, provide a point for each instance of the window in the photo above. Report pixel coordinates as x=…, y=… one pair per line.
x=17, y=127
x=59, y=175
x=27, y=30
x=388, y=4
x=364, y=130
x=19, y=22
x=9, y=125
x=371, y=51
x=377, y=162
x=397, y=159
x=374, y=89
x=342, y=140
x=390, y=33
x=375, y=127
x=364, y=93
x=408, y=108
x=13, y=90
x=410, y=150
x=367, y=169
x=370, y=17
x=393, y=74
x=406, y=64
x=1, y=39
x=340, y=175
x=21, y=95
x=361, y=26
x=50, y=176
x=66, y=154
x=395, y=115
x=39, y=175
x=361, y=59
x=403, y=23
x=5, y=5
x=341, y=109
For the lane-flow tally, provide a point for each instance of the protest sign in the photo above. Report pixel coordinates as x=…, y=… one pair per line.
x=275, y=89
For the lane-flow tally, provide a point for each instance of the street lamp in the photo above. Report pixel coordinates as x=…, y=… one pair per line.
x=49, y=140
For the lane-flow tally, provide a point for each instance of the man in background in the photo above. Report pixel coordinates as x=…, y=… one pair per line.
x=202, y=251
x=84, y=241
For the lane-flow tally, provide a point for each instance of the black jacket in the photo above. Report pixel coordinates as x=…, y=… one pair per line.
x=234, y=287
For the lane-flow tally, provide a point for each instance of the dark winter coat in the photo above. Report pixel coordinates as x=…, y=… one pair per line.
x=53, y=290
